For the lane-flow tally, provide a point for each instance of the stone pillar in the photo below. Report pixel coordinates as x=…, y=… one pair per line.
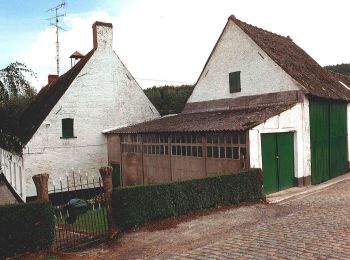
x=41, y=185
x=106, y=175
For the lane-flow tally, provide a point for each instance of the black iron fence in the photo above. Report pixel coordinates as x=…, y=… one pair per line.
x=80, y=211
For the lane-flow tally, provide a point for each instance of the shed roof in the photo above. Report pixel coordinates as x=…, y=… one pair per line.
x=237, y=119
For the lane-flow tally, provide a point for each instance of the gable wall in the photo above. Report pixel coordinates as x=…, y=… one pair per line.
x=102, y=96
x=235, y=51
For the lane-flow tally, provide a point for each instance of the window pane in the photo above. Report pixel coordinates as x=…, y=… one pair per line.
x=183, y=150
x=189, y=151
x=173, y=150
x=235, y=138
x=161, y=151
x=235, y=153
x=228, y=139
x=198, y=139
x=67, y=127
x=222, y=152
x=215, y=138
x=178, y=150
x=243, y=152
x=157, y=149
x=221, y=139
x=183, y=139
x=229, y=152
x=235, y=81
x=166, y=149
x=194, y=150
x=242, y=138
x=209, y=151
x=209, y=139
x=200, y=153
x=216, y=152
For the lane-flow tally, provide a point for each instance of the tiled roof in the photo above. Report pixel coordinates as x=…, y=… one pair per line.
x=238, y=119
x=46, y=99
x=314, y=79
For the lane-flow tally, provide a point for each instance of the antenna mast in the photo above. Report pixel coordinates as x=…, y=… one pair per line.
x=55, y=24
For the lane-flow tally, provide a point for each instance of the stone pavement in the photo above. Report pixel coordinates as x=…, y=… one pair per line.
x=315, y=226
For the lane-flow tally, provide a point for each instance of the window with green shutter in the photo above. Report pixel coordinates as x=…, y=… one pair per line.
x=67, y=128
x=235, y=81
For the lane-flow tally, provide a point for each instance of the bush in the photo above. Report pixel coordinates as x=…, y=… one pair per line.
x=135, y=205
x=26, y=227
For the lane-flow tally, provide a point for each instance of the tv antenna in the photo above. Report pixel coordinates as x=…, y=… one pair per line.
x=55, y=24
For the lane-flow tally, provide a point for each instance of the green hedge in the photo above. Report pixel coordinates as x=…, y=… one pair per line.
x=135, y=205
x=26, y=227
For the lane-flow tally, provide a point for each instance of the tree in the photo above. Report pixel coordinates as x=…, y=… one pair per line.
x=169, y=99
x=343, y=68
x=16, y=91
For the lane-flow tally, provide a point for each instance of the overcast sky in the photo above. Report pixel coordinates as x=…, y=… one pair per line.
x=165, y=41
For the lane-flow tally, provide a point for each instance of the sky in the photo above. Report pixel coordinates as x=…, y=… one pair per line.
x=164, y=41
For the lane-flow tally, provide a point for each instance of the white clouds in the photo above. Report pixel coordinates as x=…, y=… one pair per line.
x=171, y=40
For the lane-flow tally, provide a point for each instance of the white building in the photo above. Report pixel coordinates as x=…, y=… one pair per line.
x=293, y=112
x=62, y=127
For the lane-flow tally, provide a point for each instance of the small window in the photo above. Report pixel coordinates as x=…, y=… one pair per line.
x=67, y=128
x=235, y=81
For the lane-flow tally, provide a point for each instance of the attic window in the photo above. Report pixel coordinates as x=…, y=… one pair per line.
x=67, y=128
x=235, y=81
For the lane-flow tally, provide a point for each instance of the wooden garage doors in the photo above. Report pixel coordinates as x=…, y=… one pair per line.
x=328, y=135
x=277, y=161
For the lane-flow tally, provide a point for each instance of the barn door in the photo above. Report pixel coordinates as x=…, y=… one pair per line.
x=328, y=135
x=277, y=161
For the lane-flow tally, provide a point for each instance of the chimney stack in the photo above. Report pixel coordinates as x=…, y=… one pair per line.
x=51, y=78
x=102, y=34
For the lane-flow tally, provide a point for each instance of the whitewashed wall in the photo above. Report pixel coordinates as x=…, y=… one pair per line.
x=348, y=114
x=12, y=167
x=235, y=51
x=294, y=120
x=104, y=95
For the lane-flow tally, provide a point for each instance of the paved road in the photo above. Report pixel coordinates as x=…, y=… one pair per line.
x=313, y=227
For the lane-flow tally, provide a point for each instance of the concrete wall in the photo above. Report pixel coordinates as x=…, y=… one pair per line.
x=294, y=120
x=11, y=166
x=104, y=95
x=235, y=51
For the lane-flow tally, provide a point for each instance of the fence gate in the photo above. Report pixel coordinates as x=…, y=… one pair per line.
x=80, y=211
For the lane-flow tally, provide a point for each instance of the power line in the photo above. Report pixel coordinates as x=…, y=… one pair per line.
x=55, y=24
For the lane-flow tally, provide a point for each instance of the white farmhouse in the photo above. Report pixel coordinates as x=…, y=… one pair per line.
x=260, y=101
x=62, y=127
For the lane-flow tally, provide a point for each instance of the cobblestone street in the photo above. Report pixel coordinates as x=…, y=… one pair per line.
x=313, y=226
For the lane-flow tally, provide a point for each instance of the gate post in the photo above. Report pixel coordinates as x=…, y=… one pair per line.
x=41, y=185
x=106, y=175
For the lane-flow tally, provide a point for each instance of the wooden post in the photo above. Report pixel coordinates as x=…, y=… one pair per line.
x=41, y=185
x=106, y=175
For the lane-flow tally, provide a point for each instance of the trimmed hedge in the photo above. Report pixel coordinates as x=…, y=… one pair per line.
x=26, y=227
x=135, y=205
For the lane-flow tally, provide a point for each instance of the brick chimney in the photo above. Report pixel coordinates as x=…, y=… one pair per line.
x=51, y=78
x=102, y=34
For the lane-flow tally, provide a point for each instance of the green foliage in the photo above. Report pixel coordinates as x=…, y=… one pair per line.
x=343, y=68
x=135, y=205
x=169, y=99
x=10, y=142
x=26, y=227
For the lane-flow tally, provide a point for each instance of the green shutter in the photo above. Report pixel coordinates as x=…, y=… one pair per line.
x=235, y=81
x=67, y=128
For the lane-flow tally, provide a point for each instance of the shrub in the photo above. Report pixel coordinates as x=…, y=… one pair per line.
x=135, y=205
x=26, y=227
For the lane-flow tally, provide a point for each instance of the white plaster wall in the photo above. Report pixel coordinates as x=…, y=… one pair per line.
x=294, y=120
x=102, y=96
x=12, y=167
x=235, y=51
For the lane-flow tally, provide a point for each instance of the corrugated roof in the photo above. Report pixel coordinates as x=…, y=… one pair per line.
x=46, y=99
x=238, y=119
x=314, y=79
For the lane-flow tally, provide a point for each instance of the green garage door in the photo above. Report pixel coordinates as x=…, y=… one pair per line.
x=277, y=161
x=116, y=175
x=328, y=135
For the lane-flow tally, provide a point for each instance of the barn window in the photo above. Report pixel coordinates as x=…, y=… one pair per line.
x=67, y=128
x=235, y=81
